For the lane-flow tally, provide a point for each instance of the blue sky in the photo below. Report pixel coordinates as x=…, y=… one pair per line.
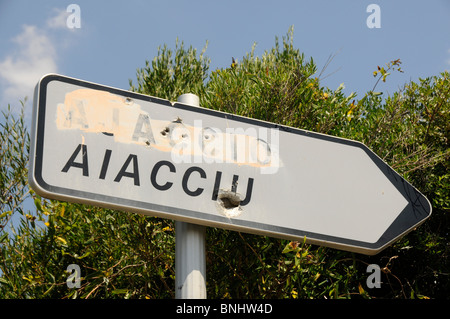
x=116, y=37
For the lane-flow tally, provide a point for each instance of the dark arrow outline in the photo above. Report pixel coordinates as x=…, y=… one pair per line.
x=415, y=213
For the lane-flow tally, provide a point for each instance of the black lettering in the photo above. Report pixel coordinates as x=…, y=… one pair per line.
x=216, y=185
x=234, y=183
x=186, y=176
x=248, y=195
x=83, y=165
x=105, y=164
x=155, y=170
x=123, y=170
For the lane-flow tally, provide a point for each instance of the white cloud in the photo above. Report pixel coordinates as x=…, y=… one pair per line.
x=33, y=54
x=34, y=57
x=59, y=21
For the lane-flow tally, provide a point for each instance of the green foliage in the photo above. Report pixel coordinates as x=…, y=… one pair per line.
x=169, y=76
x=119, y=254
x=14, y=143
x=124, y=255
x=278, y=87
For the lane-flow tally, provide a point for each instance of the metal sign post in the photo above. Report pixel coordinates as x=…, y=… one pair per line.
x=190, y=263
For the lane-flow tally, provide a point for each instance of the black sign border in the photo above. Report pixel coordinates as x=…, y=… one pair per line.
x=415, y=213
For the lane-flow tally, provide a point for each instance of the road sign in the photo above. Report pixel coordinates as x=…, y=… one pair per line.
x=122, y=150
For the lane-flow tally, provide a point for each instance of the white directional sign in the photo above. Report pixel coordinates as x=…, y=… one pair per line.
x=117, y=149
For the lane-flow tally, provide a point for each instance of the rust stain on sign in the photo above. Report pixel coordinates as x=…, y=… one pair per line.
x=94, y=111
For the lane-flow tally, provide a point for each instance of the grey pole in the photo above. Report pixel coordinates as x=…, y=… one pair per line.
x=190, y=263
